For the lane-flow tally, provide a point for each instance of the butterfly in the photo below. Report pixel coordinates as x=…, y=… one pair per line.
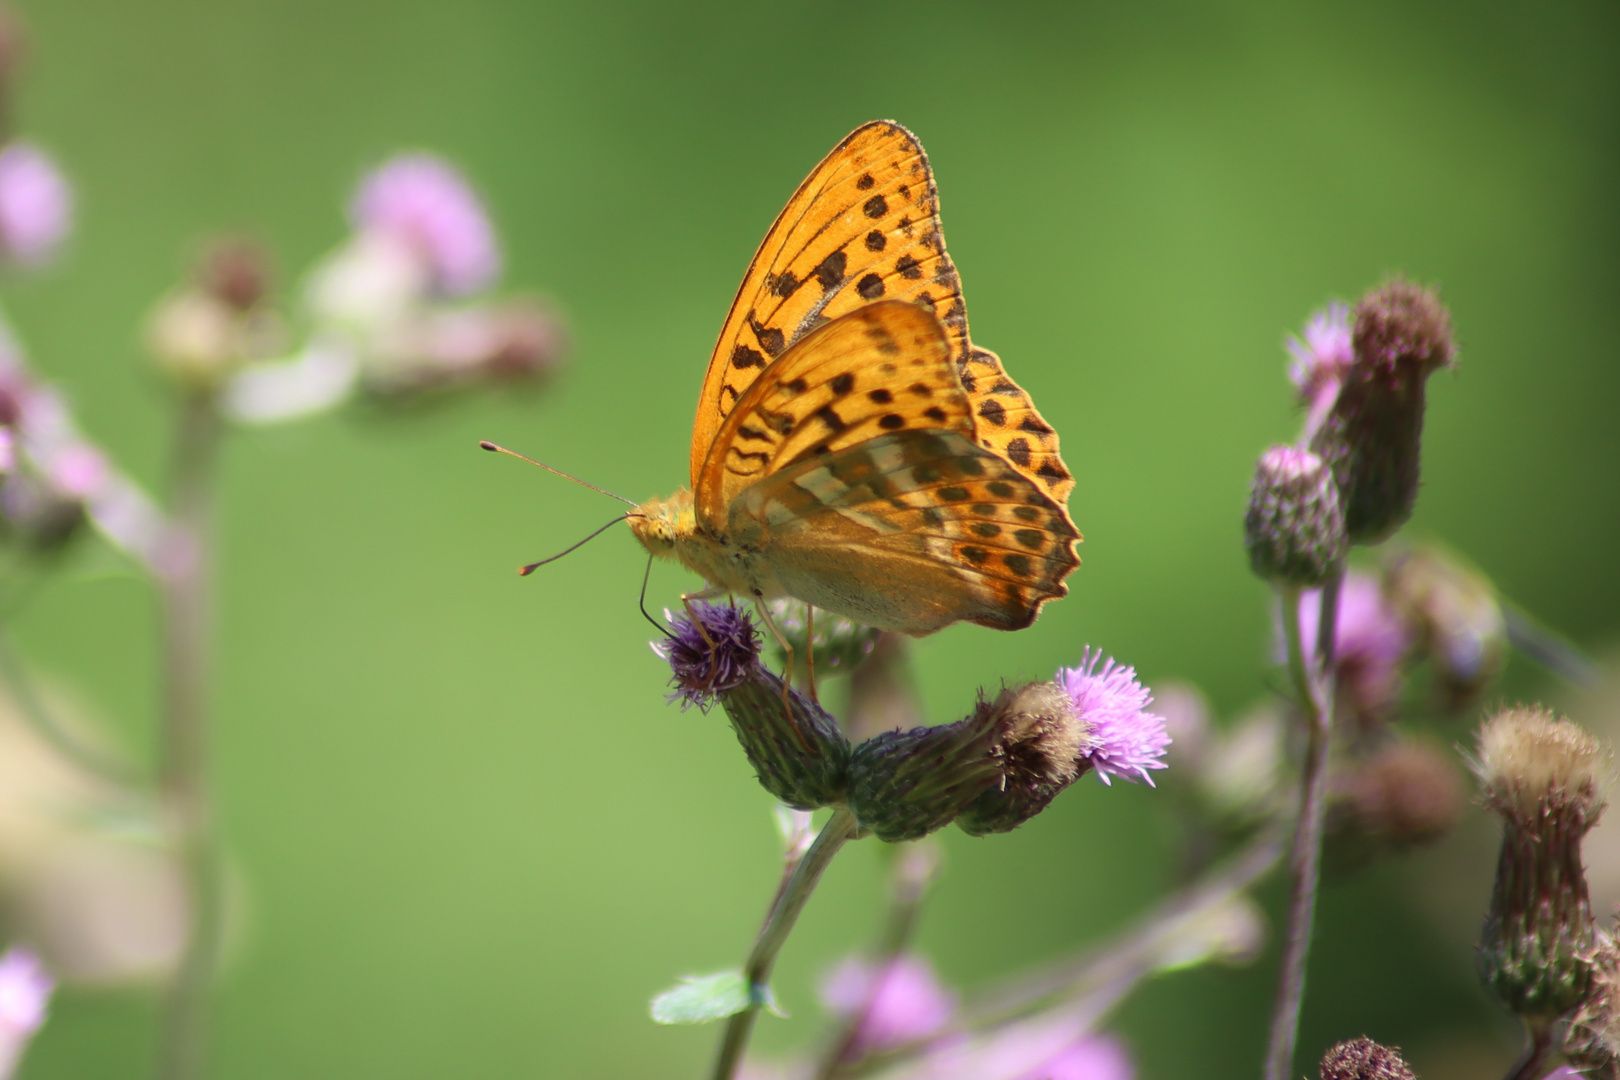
x=853, y=449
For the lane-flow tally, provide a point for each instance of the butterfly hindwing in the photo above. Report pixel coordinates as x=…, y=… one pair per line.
x=882, y=368
x=911, y=531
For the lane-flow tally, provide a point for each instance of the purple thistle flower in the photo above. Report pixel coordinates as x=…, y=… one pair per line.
x=1370, y=640
x=25, y=989
x=36, y=205
x=1095, y=1057
x=1126, y=740
x=702, y=670
x=1321, y=359
x=426, y=203
x=902, y=1003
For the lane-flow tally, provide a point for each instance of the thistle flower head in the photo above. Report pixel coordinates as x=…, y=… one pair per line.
x=1363, y=1059
x=712, y=658
x=1544, y=777
x=1372, y=433
x=425, y=203
x=1294, y=527
x=1530, y=761
x=1125, y=739
x=36, y=205
x=897, y=1003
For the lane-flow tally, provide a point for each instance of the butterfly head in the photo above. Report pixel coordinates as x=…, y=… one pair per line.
x=662, y=524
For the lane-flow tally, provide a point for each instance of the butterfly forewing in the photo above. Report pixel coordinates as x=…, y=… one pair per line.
x=880, y=369
x=864, y=227
x=912, y=531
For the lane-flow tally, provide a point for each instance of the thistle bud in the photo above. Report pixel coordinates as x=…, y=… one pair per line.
x=1294, y=529
x=1372, y=435
x=1543, y=777
x=1040, y=757
x=905, y=784
x=1454, y=616
x=796, y=750
x=1363, y=1059
x=837, y=645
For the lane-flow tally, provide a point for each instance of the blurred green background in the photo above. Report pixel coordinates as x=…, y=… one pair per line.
x=474, y=837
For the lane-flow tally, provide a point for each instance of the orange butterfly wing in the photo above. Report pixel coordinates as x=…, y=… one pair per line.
x=863, y=227
x=882, y=368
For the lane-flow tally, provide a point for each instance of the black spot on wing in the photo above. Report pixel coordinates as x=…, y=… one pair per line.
x=742, y=356
x=908, y=267
x=991, y=410
x=876, y=207
x=891, y=422
x=833, y=421
x=1018, y=453
x=870, y=287
x=1052, y=470
x=935, y=413
x=880, y=397
x=876, y=241
x=865, y=182
x=1034, y=425
x=830, y=271
x=843, y=384
x=784, y=284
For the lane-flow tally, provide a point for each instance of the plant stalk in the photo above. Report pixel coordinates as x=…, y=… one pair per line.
x=790, y=901
x=1316, y=697
x=184, y=783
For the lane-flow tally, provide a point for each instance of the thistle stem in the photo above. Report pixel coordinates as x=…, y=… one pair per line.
x=1539, y=1044
x=1316, y=696
x=184, y=582
x=790, y=901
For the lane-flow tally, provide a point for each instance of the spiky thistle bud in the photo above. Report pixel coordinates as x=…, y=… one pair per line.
x=1294, y=528
x=1363, y=1059
x=1543, y=776
x=905, y=784
x=1405, y=794
x=1372, y=435
x=834, y=644
x=796, y=749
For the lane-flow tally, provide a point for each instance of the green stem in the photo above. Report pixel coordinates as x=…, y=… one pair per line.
x=184, y=581
x=1316, y=696
x=840, y=828
x=1538, y=1050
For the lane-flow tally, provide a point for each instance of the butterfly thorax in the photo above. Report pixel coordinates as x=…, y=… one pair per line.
x=669, y=529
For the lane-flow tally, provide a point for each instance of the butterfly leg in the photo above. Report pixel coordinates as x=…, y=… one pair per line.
x=787, y=674
x=810, y=649
x=691, y=613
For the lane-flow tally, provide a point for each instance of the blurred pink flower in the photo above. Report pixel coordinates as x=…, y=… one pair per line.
x=1370, y=641
x=25, y=989
x=906, y=1004
x=79, y=470
x=426, y=203
x=1095, y=1057
x=36, y=205
x=1126, y=740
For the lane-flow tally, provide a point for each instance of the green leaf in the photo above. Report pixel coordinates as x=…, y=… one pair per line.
x=698, y=999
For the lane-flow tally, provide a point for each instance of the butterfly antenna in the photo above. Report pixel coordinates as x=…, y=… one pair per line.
x=497, y=449
x=642, y=602
x=525, y=571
